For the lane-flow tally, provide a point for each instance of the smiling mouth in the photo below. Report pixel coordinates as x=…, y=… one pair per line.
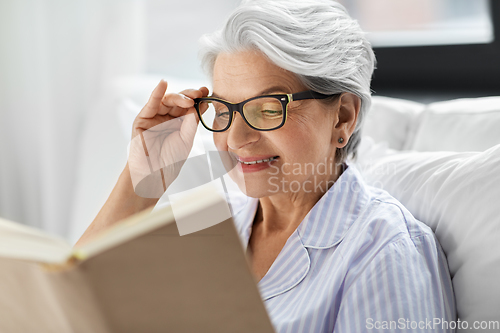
x=258, y=161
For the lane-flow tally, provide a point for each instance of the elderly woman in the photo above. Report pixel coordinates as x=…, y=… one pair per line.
x=291, y=87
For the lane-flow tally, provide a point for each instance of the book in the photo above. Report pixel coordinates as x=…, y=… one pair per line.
x=138, y=276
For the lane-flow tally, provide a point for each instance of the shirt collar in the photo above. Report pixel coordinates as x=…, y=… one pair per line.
x=330, y=218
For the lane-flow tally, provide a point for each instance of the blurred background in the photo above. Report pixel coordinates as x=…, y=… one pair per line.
x=73, y=74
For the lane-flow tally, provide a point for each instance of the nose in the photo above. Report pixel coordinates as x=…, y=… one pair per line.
x=240, y=134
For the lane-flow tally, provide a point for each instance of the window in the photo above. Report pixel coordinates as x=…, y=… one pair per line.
x=432, y=46
x=423, y=22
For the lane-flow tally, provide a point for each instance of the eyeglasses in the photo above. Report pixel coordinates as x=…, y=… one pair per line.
x=262, y=113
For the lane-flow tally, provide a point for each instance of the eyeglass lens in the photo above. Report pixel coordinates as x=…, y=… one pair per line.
x=261, y=113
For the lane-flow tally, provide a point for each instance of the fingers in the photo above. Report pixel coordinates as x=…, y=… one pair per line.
x=159, y=102
x=195, y=93
x=177, y=100
x=178, y=104
x=184, y=98
x=191, y=93
x=147, y=123
x=153, y=105
x=204, y=91
x=173, y=104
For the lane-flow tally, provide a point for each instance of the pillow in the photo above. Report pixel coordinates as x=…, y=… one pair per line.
x=457, y=195
x=391, y=119
x=471, y=125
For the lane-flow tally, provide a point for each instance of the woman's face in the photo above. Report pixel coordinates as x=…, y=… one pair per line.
x=304, y=148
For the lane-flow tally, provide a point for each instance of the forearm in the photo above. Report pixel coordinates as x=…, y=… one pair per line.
x=122, y=203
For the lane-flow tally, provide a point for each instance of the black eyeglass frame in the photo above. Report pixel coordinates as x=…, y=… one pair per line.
x=285, y=99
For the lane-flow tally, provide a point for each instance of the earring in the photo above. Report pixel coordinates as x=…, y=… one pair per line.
x=341, y=140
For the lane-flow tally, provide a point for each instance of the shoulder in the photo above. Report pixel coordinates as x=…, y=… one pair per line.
x=389, y=253
x=384, y=224
x=387, y=243
x=395, y=220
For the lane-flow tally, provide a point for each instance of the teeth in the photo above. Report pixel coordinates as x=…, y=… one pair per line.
x=259, y=161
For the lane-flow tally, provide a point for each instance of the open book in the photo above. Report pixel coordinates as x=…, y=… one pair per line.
x=138, y=276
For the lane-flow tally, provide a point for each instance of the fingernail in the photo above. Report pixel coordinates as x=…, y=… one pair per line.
x=185, y=97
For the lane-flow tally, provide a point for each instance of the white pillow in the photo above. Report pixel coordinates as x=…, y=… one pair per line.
x=459, y=125
x=457, y=195
x=391, y=119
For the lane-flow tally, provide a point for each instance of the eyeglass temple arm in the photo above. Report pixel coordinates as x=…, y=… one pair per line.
x=309, y=94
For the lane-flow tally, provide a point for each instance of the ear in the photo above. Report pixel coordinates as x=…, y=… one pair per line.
x=347, y=116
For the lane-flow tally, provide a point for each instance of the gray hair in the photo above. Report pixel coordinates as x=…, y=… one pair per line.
x=316, y=40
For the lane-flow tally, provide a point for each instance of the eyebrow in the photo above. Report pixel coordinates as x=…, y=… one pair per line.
x=273, y=89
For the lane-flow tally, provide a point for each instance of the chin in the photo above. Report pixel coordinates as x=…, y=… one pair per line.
x=254, y=188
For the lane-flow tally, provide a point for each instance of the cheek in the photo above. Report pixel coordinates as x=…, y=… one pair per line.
x=306, y=127
x=298, y=120
x=310, y=123
x=220, y=141
x=308, y=138
x=229, y=162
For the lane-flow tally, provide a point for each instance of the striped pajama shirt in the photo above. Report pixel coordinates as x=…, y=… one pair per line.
x=358, y=262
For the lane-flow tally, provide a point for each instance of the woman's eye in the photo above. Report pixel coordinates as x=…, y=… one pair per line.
x=271, y=113
x=271, y=109
x=224, y=114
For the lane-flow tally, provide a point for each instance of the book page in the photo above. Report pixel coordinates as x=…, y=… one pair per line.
x=184, y=211
x=18, y=241
x=35, y=298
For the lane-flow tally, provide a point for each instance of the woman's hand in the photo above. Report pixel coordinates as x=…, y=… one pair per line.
x=162, y=137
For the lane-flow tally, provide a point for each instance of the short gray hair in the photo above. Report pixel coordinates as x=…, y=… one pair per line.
x=316, y=40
